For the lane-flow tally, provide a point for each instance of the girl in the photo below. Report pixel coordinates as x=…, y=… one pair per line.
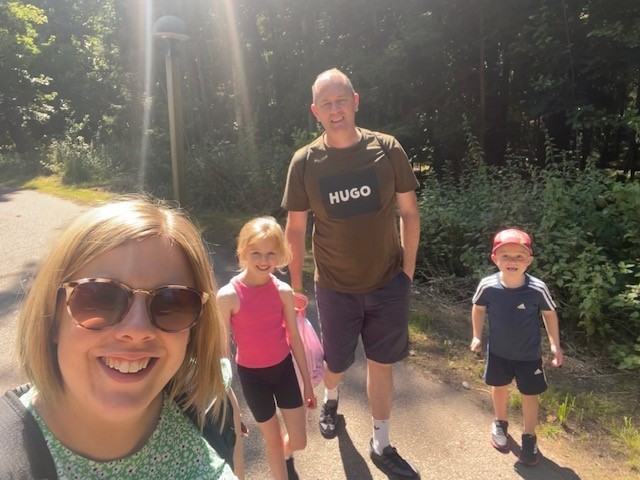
x=259, y=309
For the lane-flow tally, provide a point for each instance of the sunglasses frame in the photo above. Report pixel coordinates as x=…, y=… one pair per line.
x=70, y=286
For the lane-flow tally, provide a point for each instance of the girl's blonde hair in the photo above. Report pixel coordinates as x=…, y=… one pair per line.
x=263, y=228
x=198, y=381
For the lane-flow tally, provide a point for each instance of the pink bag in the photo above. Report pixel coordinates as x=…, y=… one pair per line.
x=312, y=345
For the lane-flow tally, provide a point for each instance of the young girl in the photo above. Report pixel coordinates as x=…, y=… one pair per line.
x=259, y=309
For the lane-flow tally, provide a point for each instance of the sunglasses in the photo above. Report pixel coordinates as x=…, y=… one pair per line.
x=97, y=303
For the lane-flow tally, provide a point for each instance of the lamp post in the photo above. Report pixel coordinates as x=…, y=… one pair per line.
x=173, y=30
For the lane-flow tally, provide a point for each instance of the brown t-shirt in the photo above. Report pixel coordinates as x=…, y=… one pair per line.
x=352, y=195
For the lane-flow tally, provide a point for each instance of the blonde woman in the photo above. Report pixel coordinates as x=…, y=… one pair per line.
x=122, y=344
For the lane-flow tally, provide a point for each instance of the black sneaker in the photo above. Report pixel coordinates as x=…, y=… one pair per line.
x=529, y=452
x=329, y=419
x=392, y=464
x=499, y=438
x=291, y=470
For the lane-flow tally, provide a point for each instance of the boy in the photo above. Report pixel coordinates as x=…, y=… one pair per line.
x=513, y=301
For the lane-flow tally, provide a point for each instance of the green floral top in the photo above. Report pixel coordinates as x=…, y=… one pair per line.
x=175, y=450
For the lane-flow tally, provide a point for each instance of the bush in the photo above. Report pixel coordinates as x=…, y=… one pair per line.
x=241, y=176
x=78, y=160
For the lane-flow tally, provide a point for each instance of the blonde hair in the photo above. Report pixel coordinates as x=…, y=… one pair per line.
x=198, y=381
x=263, y=228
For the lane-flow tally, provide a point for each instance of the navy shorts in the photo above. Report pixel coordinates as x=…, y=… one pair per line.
x=529, y=374
x=261, y=385
x=381, y=317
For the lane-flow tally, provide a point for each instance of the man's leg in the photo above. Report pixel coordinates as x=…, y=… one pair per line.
x=340, y=316
x=331, y=379
x=385, y=338
x=380, y=393
x=380, y=389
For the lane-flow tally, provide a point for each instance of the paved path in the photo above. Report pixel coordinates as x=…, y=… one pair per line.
x=29, y=222
x=441, y=429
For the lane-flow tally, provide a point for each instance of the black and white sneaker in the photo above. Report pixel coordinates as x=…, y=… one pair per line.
x=499, y=438
x=392, y=464
x=329, y=419
x=529, y=453
x=291, y=470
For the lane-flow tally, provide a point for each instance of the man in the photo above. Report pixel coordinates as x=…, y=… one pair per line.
x=353, y=181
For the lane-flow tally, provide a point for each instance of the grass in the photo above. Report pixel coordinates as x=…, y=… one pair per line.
x=628, y=435
x=53, y=186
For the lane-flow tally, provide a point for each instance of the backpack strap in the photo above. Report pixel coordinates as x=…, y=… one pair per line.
x=223, y=440
x=23, y=451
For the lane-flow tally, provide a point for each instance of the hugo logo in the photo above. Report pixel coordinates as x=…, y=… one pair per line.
x=347, y=194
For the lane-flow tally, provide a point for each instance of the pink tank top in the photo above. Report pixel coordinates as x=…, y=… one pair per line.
x=258, y=327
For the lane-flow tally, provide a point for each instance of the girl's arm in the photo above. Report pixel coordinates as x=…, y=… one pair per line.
x=297, y=347
x=228, y=304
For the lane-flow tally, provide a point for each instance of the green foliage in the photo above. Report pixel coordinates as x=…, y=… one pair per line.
x=629, y=437
x=77, y=160
x=238, y=176
x=584, y=224
x=566, y=408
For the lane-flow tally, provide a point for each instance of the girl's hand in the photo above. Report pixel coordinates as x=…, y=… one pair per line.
x=310, y=399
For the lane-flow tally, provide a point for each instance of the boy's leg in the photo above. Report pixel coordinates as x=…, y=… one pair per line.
x=500, y=398
x=530, y=413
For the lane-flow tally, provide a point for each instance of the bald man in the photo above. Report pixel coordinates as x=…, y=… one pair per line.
x=355, y=181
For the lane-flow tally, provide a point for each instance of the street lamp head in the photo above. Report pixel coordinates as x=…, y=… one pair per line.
x=170, y=28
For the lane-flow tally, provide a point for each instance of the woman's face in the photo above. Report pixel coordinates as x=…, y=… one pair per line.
x=117, y=372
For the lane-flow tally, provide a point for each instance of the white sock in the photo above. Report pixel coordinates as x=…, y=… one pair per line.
x=330, y=394
x=380, y=435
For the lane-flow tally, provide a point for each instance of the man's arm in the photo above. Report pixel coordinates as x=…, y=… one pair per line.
x=295, y=232
x=409, y=230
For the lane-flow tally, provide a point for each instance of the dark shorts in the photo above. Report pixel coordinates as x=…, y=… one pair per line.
x=261, y=385
x=529, y=374
x=381, y=317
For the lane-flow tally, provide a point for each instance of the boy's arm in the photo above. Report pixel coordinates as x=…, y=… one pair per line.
x=550, y=318
x=477, y=320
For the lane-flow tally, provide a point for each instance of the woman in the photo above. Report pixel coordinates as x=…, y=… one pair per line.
x=121, y=340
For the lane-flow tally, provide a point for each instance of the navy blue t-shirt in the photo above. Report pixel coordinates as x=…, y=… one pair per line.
x=514, y=316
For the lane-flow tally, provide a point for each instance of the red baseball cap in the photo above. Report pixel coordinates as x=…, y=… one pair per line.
x=512, y=235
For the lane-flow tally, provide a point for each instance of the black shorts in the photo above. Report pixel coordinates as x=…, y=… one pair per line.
x=529, y=374
x=381, y=317
x=261, y=385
